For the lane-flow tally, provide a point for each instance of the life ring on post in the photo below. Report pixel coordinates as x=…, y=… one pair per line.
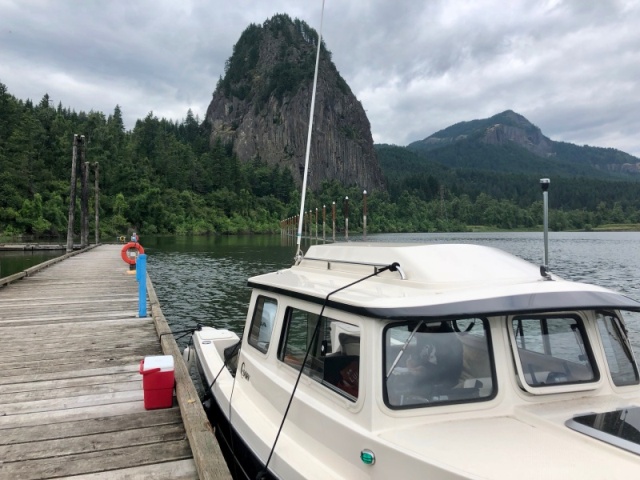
x=131, y=259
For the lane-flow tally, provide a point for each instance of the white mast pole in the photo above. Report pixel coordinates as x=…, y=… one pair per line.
x=298, y=256
x=544, y=183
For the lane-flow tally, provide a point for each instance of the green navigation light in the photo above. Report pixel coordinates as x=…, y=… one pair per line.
x=367, y=457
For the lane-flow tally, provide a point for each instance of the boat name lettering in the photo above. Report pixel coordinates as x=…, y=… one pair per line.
x=244, y=373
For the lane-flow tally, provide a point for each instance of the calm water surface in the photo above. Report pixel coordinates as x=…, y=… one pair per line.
x=16, y=261
x=204, y=279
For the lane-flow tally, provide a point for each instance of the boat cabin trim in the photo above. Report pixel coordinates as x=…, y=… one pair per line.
x=543, y=302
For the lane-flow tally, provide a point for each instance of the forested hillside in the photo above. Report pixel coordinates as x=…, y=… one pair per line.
x=509, y=196
x=164, y=177
x=161, y=177
x=508, y=142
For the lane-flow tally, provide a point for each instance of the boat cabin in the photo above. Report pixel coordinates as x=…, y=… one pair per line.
x=446, y=360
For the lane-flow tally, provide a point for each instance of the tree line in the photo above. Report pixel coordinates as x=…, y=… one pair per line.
x=160, y=177
x=164, y=177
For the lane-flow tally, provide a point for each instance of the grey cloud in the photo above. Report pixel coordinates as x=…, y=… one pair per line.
x=571, y=67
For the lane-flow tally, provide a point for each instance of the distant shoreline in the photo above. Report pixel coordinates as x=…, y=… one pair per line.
x=32, y=247
x=613, y=227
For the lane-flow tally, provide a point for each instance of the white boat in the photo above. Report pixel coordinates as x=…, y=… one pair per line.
x=424, y=361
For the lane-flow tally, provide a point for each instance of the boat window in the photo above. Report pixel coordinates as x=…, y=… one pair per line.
x=553, y=350
x=622, y=365
x=435, y=363
x=334, y=356
x=264, y=316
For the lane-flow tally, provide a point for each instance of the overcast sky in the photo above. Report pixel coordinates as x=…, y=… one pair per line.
x=571, y=67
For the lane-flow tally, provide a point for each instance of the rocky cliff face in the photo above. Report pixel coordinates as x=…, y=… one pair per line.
x=261, y=108
x=520, y=131
x=501, y=129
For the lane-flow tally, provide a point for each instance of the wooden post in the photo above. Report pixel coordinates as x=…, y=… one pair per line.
x=364, y=214
x=96, y=190
x=346, y=218
x=333, y=214
x=84, y=195
x=72, y=194
x=324, y=223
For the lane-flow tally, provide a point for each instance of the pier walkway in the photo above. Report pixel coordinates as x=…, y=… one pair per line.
x=71, y=399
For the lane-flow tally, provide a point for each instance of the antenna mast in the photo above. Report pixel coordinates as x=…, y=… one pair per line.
x=298, y=256
x=544, y=183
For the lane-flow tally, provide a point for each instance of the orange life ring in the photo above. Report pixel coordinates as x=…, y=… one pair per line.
x=131, y=260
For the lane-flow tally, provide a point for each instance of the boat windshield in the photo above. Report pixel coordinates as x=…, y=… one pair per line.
x=553, y=350
x=433, y=363
x=617, y=348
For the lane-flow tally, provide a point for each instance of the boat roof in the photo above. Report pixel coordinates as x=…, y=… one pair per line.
x=432, y=281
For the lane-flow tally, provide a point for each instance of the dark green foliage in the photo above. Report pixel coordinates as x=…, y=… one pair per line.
x=503, y=191
x=288, y=48
x=460, y=146
x=238, y=68
x=163, y=177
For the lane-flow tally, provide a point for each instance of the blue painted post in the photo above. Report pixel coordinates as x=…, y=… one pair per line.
x=141, y=277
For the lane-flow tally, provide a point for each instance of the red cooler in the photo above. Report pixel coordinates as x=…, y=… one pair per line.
x=157, y=381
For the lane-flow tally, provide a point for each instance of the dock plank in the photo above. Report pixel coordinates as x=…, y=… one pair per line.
x=98, y=461
x=78, y=428
x=178, y=470
x=71, y=399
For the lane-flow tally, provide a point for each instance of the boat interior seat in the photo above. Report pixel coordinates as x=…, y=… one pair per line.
x=349, y=344
x=484, y=385
x=342, y=371
x=476, y=362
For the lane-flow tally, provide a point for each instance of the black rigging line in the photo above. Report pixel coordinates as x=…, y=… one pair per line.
x=186, y=332
x=393, y=267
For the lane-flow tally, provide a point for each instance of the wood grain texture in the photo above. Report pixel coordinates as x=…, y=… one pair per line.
x=71, y=398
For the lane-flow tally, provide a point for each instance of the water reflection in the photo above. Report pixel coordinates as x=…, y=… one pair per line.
x=204, y=279
x=14, y=261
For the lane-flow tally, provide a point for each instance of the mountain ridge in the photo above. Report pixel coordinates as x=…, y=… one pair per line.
x=510, y=129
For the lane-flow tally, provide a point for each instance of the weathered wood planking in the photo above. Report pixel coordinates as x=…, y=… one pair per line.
x=71, y=400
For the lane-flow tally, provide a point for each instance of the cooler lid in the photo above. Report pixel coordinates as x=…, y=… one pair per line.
x=163, y=362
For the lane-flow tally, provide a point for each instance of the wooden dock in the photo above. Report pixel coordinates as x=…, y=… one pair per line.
x=71, y=399
x=33, y=247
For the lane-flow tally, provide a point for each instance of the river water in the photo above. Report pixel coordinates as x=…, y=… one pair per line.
x=14, y=261
x=203, y=279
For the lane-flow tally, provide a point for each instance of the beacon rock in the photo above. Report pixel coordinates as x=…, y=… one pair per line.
x=261, y=108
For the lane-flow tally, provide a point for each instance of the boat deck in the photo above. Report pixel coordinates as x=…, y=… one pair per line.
x=71, y=399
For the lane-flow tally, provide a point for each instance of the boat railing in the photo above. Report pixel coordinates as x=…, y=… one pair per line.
x=376, y=266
